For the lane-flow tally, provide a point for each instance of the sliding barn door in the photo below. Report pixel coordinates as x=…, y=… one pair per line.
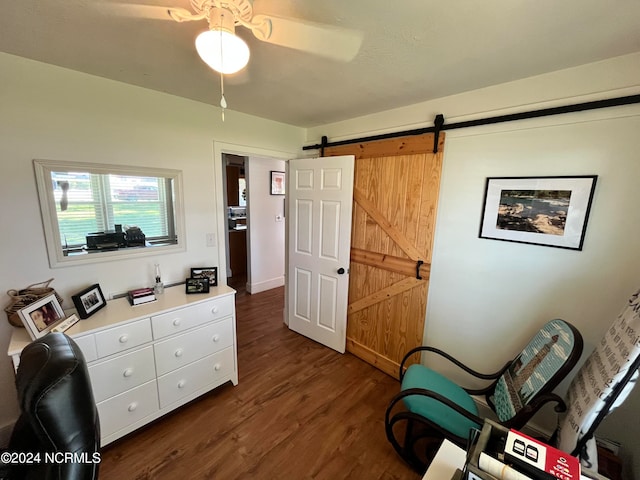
x=395, y=196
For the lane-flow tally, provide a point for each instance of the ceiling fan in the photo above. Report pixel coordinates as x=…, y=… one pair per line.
x=336, y=43
x=222, y=50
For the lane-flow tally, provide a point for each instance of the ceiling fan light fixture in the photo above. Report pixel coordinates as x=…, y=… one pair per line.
x=223, y=51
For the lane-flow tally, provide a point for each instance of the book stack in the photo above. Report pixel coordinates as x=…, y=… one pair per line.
x=141, y=295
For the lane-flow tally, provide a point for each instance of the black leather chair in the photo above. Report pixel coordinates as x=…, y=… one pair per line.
x=59, y=420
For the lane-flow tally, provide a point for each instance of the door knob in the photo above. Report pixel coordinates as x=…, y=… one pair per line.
x=340, y=271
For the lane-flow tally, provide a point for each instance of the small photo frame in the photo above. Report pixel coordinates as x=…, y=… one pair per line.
x=550, y=211
x=210, y=273
x=89, y=301
x=41, y=316
x=197, y=285
x=277, y=183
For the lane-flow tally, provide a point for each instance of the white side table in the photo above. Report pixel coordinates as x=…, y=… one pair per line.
x=444, y=464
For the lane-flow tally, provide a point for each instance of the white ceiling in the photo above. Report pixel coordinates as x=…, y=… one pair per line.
x=411, y=51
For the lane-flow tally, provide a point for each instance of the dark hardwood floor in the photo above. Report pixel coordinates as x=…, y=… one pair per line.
x=299, y=411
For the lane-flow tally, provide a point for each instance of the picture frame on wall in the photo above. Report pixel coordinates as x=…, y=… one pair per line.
x=89, y=301
x=278, y=186
x=210, y=273
x=42, y=316
x=546, y=210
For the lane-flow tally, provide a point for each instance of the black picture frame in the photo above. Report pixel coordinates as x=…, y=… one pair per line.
x=547, y=210
x=89, y=301
x=278, y=183
x=196, y=285
x=210, y=273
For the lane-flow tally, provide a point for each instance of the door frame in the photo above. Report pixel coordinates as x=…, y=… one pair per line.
x=219, y=174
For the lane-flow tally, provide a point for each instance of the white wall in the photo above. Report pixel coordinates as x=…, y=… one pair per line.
x=266, y=226
x=487, y=297
x=53, y=113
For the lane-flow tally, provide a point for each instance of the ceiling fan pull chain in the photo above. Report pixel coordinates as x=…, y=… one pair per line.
x=223, y=101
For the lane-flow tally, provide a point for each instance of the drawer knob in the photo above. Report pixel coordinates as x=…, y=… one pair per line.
x=178, y=353
x=177, y=322
x=132, y=406
x=216, y=367
x=127, y=372
x=215, y=310
x=182, y=383
x=124, y=338
x=216, y=338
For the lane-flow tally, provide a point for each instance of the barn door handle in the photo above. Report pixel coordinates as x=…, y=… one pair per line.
x=418, y=265
x=341, y=271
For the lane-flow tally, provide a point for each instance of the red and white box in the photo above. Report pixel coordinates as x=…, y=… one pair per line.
x=538, y=459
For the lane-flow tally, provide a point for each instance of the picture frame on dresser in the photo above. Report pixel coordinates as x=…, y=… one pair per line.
x=42, y=316
x=89, y=301
x=211, y=273
x=197, y=285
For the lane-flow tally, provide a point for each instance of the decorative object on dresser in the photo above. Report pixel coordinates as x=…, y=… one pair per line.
x=206, y=272
x=40, y=317
x=141, y=295
x=89, y=301
x=26, y=296
x=145, y=362
x=197, y=285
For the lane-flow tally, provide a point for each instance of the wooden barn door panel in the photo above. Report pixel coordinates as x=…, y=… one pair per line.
x=396, y=189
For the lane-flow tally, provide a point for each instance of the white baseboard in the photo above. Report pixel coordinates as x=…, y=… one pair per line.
x=266, y=285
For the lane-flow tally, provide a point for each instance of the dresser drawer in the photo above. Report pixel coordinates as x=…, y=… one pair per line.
x=178, y=351
x=122, y=373
x=195, y=376
x=127, y=408
x=119, y=339
x=87, y=344
x=192, y=316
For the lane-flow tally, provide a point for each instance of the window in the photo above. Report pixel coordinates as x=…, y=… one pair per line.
x=110, y=210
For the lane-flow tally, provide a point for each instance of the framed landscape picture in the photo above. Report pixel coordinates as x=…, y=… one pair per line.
x=551, y=211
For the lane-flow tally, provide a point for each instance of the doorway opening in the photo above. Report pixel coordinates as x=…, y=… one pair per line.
x=235, y=197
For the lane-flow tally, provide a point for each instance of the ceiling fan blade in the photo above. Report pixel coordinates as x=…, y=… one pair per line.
x=328, y=41
x=134, y=10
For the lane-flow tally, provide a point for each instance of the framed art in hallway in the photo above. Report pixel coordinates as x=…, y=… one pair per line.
x=277, y=183
x=549, y=211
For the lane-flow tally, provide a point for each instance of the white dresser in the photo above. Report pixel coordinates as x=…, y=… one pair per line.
x=147, y=360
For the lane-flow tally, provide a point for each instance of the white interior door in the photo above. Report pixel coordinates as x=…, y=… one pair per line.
x=320, y=192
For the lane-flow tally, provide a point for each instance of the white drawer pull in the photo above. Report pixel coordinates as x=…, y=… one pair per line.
x=124, y=338
x=217, y=367
x=177, y=322
x=178, y=353
x=215, y=310
x=132, y=406
x=182, y=383
x=127, y=372
x=216, y=338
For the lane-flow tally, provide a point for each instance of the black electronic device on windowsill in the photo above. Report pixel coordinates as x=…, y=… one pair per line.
x=105, y=240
